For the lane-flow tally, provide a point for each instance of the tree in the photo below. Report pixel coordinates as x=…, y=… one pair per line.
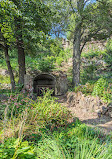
x=91, y=23
x=4, y=45
x=83, y=20
x=6, y=34
x=28, y=21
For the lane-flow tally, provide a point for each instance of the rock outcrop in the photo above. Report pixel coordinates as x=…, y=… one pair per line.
x=89, y=104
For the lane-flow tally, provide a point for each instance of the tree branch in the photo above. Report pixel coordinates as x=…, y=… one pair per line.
x=88, y=38
x=1, y=45
x=74, y=9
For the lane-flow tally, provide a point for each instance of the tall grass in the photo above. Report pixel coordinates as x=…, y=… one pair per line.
x=41, y=130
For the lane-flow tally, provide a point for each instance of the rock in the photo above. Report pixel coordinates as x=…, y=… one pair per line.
x=4, y=72
x=110, y=114
x=89, y=104
x=104, y=110
x=70, y=97
x=84, y=110
x=110, y=108
x=109, y=105
x=99, y=114
x=107, y=113
x=98, y=111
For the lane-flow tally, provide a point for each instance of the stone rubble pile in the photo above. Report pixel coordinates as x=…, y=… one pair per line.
x=89, y=104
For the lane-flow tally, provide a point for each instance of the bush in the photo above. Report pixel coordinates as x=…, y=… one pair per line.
x=15, y=104
x=59, y=60
x=100, y=87
x=103, y=90
x=51, y=149
x=49, y=113
x=86, y=89
x=88, y=73
x=15, y=148
x=87, y=149
x=76, y=140
x=27, y=116
x=46, y=64
x=108, y=55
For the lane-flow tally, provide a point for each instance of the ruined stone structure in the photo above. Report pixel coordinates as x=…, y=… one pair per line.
x=36, y=83
x=66, y=43
x=89, y=104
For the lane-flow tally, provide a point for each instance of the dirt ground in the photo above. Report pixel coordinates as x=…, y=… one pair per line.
x=104, y=123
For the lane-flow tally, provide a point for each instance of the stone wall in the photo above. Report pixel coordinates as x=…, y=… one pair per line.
x=89, y=104
x=61, y=83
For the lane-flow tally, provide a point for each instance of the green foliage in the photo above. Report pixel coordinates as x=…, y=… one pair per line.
x=100, y=87
x=79, y=140
x=103, y=90
x=6, y=79
x=91, y=149
x=76, y=140
x=93, y=53
x=16, y=104
x=86, y=89
x=46, y=64
x=49, y=113
x=50, y=148
x=43, y=113
x=59, y=60
x=108, y=55
x=56, y=47
x=88, y=73
x=14, y=148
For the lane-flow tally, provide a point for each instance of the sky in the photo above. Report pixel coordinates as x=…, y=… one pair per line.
x=92, y=1
x=64, y=36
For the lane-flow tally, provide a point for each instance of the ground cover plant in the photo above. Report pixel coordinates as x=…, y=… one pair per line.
x=41, y=129
x=76, y=141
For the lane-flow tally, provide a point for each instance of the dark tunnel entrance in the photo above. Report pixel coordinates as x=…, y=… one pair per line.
x=43, y=82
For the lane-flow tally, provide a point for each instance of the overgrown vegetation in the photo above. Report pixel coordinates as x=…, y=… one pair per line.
x=30, y=41
x=40, y=129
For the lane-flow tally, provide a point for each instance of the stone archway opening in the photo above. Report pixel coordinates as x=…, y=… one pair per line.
x=42, y=82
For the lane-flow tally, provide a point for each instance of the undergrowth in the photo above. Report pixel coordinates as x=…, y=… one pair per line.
x=41, y=129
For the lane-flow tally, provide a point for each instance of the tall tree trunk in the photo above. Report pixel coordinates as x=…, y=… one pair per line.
x=21, y=61
x=77, y=44
x=9, y=67
x=76, y=58
x=20, y=48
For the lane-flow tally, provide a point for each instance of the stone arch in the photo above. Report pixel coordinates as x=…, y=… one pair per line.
x=44, y=81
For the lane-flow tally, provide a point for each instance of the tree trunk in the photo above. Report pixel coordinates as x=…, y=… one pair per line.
x=76, y=58
x=20, y=48
x=9, y=67
x=21, y=61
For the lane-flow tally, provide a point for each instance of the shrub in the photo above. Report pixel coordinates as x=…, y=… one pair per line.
x=46, y=64
x=87, y=149
x=50, y=148
x=59, y=60
x=103, y=90
x=15, y=104
x=15, y=148
x=48, y=112
x=31, y=116
x=108, y=55
x=99, y=87
x=88, y=73
x=86, y=89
